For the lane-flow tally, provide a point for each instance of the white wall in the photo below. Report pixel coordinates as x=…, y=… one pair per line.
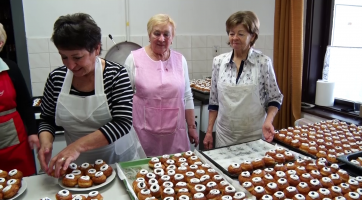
x=200, y=27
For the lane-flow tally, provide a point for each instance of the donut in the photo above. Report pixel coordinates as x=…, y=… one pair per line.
x=230, y=190
x=290, y=191
x=179, y=178
x=353, y=184
x=139, y=186
x=279, y=174
x=99, y=178
x=257, y=181
x=359, y=179
x=207, y=166
x=235, y=169
x=300, y=170
x=282, y=183
x=92, y=172
x=188, y=154
x=77, y=174
x=270, y=171
x=248, y=186
x=335, y=191
x=170, y=162
x=280, y=167
x=199, y=196
x=189, y=176
x=181, y=161
x=166, y=184
x=69, y=180
x=271, y=153
x=315, y=174
x=268, y=178
x=326, y=171
x=79, y=197
x=295, y=143
x=63, y=195
x=155, y=190
x=258, y=173
x=192, y=183
x=293, y=180
x=142, y=173
x=14, y=182
x=289, y=156
x=198, y=189
x=85, y=182
x=280, y=137
x=152, y=181
x=71, y=167
x=238, y=195
x=312, y=195
x=193, y=168
x=298, y=197
x=106, y=169
x=303, y=188
x=98, y=164
x=205, y=179
x=246, y=166
x=158, y=166
x=279, y=158
x=199, y=173
x=163, y=179
x=312, y=150
x=135, y=182
x=324, y=193
x=152, y=162
x=151, y=175
x=143, y=194
x=85, y=167
x=359, y=191
x=217, y=178
x=160, y=172
x=321, y=154
x=326, y=182
x=211, y=185
x=305, y=177
x=191, y=160
x=222, y=185
x=164, y=158
x=183, y=194
x=352, y=196
x=300, y=162
x=258, y=163
x=278, y=195
x=314, y=184
x=214, y=194
x=258, y=192
x=271, y=188
x=280, y=150
x=14, y=174
x=311, y=166
x=343, y=174
x=211, y=172
x=268, y=161
x=304, y=146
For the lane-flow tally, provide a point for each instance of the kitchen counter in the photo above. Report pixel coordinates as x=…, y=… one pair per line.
x=41, y=186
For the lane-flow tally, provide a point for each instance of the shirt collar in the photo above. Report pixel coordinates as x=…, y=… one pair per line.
x=3, y=66
x=251, y=57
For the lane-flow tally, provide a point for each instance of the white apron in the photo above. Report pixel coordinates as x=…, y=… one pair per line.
x=241, y=116
x=80, y=116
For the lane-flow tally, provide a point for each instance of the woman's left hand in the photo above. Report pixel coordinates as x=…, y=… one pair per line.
x=62, y=160
x=268, y=131
x=194, y=139
x=34, y=140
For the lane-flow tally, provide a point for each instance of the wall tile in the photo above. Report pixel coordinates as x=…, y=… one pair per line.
x=117, y=39
x=145, y=40
x=189, y=65
x=174, y=43
x=39, y=74
x=198, y=53
x=52, y=47
x=104, y=42
x=183, y=41
x=37, y=60
x=225, y=50
x=198, y=41
x=52, y=68
x=209, y=66
x=55, y=59
x=190, y=77
x=37, y=88
x=213, y=40
x=197, y=75
x=225, y=41
x=38, y=45
x=199, y=66
x=269, y=53
x=137, y=40
x=269, y=41
x=260, y=42
x=103, y=54
x=186, y=53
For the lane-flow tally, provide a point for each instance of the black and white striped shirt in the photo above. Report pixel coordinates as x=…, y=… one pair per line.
x=117, y=88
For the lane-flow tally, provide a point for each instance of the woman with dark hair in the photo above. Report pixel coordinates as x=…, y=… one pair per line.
x=91, y=98
x=17, y=121
x=244, y=95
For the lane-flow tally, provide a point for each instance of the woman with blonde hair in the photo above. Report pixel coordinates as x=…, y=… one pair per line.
x=162, y=102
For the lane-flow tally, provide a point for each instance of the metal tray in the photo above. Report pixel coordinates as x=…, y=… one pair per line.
x=346, y=160
x=196, y=90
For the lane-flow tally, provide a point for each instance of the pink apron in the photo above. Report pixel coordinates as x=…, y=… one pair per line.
x=158, y=104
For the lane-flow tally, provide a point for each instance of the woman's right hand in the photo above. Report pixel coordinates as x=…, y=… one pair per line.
x=208, y=141
x=46, y=148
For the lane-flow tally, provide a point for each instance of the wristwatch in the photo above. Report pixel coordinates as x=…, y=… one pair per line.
x=191, y=126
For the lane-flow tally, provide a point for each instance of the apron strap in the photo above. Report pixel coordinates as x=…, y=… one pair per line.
x=3, y=113
x=98, y=77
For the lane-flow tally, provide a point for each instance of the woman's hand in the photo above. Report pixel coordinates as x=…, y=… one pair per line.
x=268, y=131
x=208, y=141
x=44, y=154
x=34, y=140
x=194, y=139
x=62, y=160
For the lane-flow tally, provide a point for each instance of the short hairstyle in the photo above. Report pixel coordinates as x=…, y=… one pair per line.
x=3, y=36
x=246, y=18
x=160, y=19
x=76, y=31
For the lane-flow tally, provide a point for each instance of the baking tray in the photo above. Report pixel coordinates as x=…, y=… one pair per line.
x=346, y=160
x=224, y=156
x=203, y=92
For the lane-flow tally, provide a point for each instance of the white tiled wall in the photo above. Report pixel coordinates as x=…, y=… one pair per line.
x=199, y=51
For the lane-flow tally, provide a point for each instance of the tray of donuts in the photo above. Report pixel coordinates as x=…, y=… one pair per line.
x=180, y=176
x=326, y=139
x=353, y=160
x=86, y=176
x=302, y=179
x=12, y=184
x=67, y=195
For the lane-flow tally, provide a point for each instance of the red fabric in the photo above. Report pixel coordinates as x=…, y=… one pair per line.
x=18, y=156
